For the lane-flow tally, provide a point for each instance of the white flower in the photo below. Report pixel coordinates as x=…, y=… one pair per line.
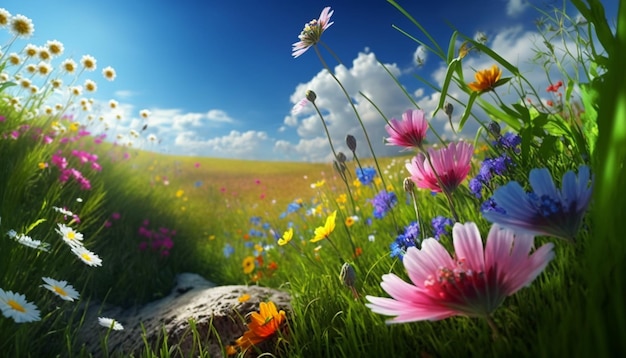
x=63, y=211
x=110, y=323
x=70, y=236
x=14, y=305
x=61, y=289
x=35, y=244
x=87, y=256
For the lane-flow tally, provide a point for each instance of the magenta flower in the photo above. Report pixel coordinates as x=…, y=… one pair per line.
x=473, y=283
x=410, y=132
x=451, y=164
x=312, y=32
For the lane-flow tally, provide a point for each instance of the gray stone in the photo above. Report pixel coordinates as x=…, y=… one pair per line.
x=217, y=314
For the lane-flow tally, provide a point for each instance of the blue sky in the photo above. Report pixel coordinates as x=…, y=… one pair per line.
x=220, y=81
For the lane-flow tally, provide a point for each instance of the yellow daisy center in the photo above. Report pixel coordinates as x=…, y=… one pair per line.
x=86, y=257
x=21, y=27
x=16, y=306
x=60, y=291
x=71, y=235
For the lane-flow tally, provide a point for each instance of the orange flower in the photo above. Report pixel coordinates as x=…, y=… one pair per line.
x=486, y=80
x=248, y=264
x=262, y=326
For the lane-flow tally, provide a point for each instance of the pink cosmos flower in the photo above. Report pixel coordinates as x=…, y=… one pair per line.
x=410, y=132
x=312, y=32
x=452, y=164
x=473, y=283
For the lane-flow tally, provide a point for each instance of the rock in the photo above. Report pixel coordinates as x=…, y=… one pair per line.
x=218, y=315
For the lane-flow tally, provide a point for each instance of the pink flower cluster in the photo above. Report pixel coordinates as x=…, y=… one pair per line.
x=68, y=172
x=156, y=240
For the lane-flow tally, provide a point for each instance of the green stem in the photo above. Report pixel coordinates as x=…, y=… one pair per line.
x=443, y=188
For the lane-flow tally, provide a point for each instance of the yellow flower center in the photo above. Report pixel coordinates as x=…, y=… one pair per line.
x=16, y=306
x=86, y=257
x=21, y=27
x=71, y=235
x=60, y=291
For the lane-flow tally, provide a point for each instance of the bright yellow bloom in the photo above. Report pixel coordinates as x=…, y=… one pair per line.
x=262, y=326
x=342, y=199
x=248, y=264
x=486, y=79
x=356, y=183
x=349, y=221
x=243, y=298
x=180, y=193
x=287, y=236
x=318, y=184
x=323, y=232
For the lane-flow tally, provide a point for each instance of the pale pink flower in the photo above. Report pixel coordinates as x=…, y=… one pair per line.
x=410, y=132
x=451, y=164
x=312, y=32
x=473, y=283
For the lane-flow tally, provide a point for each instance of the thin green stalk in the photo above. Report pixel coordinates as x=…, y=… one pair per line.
x=444, y=190
x=345, y=92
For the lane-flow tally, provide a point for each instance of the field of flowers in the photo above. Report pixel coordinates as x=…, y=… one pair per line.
x=504, y=244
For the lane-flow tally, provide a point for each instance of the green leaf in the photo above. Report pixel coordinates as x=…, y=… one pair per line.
x=468, y=110
x=446, y=83
x=33, y=225
x=452, y=46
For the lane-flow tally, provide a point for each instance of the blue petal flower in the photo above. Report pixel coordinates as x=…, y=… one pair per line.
x=546, y=210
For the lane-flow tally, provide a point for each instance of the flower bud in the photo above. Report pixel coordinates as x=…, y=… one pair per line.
x=351, y=142
x=341, y=158
x=311, y=96
x=448, y=108
x=409, y=185
x=494, y=129
x=348, y=275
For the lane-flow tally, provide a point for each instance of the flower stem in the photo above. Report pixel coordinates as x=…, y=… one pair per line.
x=495, y=333
x=444, y=190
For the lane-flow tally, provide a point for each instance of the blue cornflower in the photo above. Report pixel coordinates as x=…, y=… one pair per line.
x=255, y=220
x=440, y=226
x=383, y=202
x=509, y=141
x=476, y=186
x=410, y=238
x=228, y=250
x=366, y=175
x=546, y=210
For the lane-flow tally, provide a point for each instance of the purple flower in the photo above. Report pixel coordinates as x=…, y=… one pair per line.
x=383, y=202
x=440, y=226
x=312, y=32
x=409, y=238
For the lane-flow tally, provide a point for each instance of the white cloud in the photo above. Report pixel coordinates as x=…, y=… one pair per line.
x=515, y=7
x=420, y=55
x=124, y=94
x=250, y=144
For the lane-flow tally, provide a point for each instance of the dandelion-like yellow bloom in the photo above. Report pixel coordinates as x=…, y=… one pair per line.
x=243, y=298
x=486, y=80
x=287, y=236
x=248, y=264
x=350, y=221
x=323, y=232
x=21, y=26
x=74, y=126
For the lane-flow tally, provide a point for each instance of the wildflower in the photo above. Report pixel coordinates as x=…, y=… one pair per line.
x=110, y=323
x=509, y=141
x=31, y=50
x=262, y=326
x=109, y=73
x=366, y=175
x=15, y=59
x=473, y=283
x=409, y=238
x=14, y=305
x=312, y=32
x=323, y=232
x=248, y=264
x=546, y=210
x=4, y=17
x=144, y=113
x=299, y=107
x=90, y=86
x=486, y=80
x=87, y=256
x=68, y=65
x=70, y=236
x=440, y=226
x=244, y=298
x=88, y=62
x=61, y=289
x=451, y=164
x=554, y=87
x=383, y=202
x=29, y=242
x=21, y=26
x=44, y=54
x=55, y=47
x=351, y=143
x=350, y=220
x=348, y=277
x=44, y=68
x=287, y=236
x=408, y=133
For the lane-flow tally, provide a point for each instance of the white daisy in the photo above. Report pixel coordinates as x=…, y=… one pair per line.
x=63, y=211
x=35, y=244
x=70, y=236
x=14, y=305
x=61, y=289
x=87, y=256
x=110, y=323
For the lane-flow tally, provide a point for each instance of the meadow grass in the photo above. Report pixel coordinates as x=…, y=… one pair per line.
x=150, y=216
